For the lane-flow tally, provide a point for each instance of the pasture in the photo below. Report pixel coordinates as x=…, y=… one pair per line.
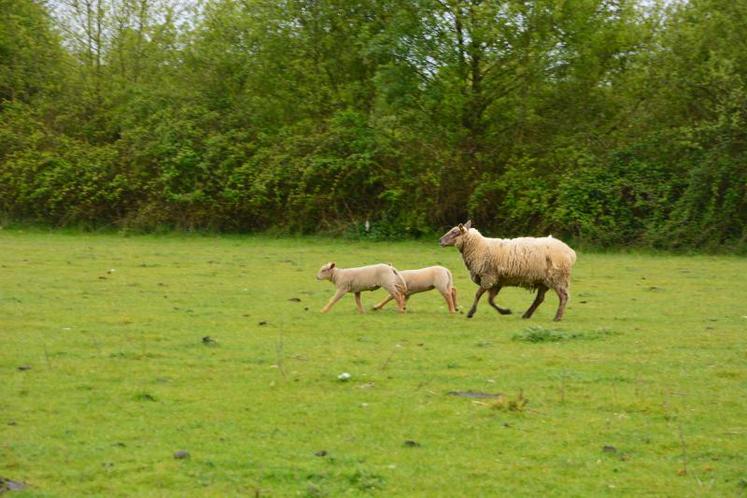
x=118, y=352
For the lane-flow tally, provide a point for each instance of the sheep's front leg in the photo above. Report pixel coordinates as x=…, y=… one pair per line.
x=382, y=303
x=358, y=302
x=478, y=295
x=537, y=301
x=491, y=299
x=563, y=296
x=338, y=295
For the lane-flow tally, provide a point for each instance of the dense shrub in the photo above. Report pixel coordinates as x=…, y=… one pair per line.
x=610, y=123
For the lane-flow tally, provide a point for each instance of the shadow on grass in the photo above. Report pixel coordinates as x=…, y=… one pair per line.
x=540, y=334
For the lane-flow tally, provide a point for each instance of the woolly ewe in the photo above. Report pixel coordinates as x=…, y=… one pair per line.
x=533, y=263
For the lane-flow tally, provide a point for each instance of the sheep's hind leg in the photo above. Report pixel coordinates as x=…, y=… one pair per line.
x=338, y=295
x=563, y=297
x=478, y=295
x=358, y=302
x=449, y=300
x=491, y=299
x=537, y=301
x=401, y=301
x=382, y=303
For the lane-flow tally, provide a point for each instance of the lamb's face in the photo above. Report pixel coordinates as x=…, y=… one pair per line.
x=450, y=238
x=325, y=272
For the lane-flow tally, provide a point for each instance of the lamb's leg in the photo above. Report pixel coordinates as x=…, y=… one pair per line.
x=478, y=295
x=447, y=296
x=338, y=295
x=491, y=299
x=382, y=303
x=453, y=298
x=401, y=300
x=358, y=302
x=537, y=301
x=563, y=296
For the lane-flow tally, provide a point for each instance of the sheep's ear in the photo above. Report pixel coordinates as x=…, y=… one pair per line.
x=331, y=265
x=468, y=225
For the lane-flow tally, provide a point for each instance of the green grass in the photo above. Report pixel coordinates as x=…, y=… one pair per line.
x=120, y=377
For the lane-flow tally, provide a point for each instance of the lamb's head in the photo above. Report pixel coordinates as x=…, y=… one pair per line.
x=450, y=238
x=325, y=272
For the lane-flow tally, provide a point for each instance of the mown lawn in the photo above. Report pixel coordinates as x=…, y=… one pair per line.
x=104, y=375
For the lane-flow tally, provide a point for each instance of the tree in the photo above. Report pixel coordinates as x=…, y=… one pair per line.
x=30, y=54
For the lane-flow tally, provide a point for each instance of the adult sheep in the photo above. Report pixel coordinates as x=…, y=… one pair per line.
x=533, y=263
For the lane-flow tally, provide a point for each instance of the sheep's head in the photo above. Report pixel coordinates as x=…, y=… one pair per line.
x=450, y=237
x=325, y=272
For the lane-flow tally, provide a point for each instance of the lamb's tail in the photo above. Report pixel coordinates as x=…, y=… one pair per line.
x=400, y=285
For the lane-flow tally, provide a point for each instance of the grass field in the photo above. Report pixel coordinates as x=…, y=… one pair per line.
x=104, y=375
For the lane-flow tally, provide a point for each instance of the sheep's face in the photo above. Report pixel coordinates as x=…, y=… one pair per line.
x=450, y=238
x=325, y=272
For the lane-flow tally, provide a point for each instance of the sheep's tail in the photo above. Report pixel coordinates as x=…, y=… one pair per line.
x=573, y=256
x=400, y=284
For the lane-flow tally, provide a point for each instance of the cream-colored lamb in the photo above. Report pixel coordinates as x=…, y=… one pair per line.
x=425, y=279
x=364, y=278
x=534, y=263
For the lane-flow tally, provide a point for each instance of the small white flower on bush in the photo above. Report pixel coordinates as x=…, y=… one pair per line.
x=344, y=376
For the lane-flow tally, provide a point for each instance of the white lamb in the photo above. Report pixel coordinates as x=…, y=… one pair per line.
x=364, y=278
x=425, y=279
x=533, y=263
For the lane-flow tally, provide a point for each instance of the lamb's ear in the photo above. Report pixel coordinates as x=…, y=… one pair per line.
x=468, y=225
x=331, y=265
x=461, y=228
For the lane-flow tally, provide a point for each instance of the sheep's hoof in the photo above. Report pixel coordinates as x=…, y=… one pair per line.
x=505, y=311
x=526, y=317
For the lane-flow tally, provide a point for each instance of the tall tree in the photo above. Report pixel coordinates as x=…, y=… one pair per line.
x=30, y=53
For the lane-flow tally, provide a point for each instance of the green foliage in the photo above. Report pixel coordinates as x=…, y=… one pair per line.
x=30, y=54
x=611, y=123
x=610, y=204
x=52, y=178
x=712, y=209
